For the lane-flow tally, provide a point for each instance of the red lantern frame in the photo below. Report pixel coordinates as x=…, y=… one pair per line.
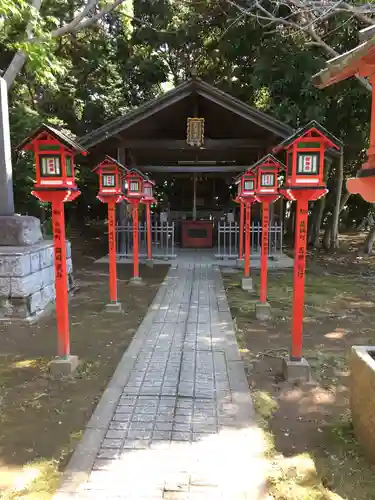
x=111, y=193
x=48, y=142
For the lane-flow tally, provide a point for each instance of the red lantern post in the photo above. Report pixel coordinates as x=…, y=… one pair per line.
x=55, y=183
x=148, y=199
x=111, y=191
x=305, y=151
x=134, y=180
x=246, y=194
x=267, y=169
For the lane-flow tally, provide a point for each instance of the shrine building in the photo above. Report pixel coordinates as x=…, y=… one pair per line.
x=193, y=140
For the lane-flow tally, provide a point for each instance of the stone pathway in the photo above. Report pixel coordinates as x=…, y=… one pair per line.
x=176, y=421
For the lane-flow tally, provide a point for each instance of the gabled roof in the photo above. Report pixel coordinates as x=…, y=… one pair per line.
x=67, y=141
x=109, y=159
x=271, y=160
x=238, y=178
x=345, y=65
x=193, y=85
x=316, y=127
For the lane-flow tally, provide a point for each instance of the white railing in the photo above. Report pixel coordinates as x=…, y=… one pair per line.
x=228, y=238
x=162, y=240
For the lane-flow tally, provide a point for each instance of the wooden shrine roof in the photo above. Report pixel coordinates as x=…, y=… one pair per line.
x=171, y=101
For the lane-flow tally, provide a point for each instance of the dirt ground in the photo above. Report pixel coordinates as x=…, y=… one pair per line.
x=313, y=452
x=42, y=419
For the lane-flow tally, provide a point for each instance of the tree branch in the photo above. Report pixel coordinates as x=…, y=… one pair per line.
x=20, y=57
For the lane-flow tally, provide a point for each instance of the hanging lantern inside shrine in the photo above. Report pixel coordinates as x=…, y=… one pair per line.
x=195, y=132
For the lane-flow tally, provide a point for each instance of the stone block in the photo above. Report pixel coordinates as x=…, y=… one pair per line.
x=26, y=285
x=64, y=367
x=247, y=284
x=14, y=265
x=4, y=286
x=36, y=302
x=69, y=265
x=48, y=276
x=114, y=307
x=296, y=370
x=263, y=311
x=362, y=397
x=19, y=230
x=46, y=256
x=35, y=262
x=136, y=282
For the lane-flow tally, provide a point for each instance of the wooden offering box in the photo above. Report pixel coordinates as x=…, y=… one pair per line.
x=197, y=234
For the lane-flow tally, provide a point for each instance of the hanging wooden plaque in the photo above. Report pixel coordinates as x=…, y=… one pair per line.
x=195, y=132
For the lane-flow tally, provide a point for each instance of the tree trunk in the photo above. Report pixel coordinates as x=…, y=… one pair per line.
x=334, y=231
x=327, y=237
x=316, y=224
x=369, y=241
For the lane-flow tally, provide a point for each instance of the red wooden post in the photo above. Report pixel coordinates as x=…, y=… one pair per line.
x=299, y=276
x=247, y=238
x=148, y=222
x=112, y=250
x=242, y=210
x=264, y=255
x=135, y=241
x=61, y=279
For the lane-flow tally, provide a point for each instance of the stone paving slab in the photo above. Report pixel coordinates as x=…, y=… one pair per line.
x=177, y=420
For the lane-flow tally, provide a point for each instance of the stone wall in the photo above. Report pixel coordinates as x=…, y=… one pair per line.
x=362, y=397
x=27, y=280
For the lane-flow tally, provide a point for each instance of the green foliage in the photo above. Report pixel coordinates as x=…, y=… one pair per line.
x=85, y=79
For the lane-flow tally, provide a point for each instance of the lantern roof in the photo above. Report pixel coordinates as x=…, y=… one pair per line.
x=237, y=179
x=47, y=130
x=313, y=127
x=108, y=160
x=134, y=170
x=269, y=161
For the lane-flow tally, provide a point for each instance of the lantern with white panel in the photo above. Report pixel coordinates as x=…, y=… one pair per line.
x=55, y=183
x=305, y=156
x=148, y=199
x=111, y=191
x=246, y=195
x=268, y=169
x=135, y=195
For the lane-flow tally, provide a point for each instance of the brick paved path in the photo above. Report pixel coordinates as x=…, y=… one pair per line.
x=176, y=421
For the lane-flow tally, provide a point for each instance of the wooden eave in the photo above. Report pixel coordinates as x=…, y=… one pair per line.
x=333, y=142
x=67, y=141
x=111, y=160
x=271, y=160
x=194, y=85
x=346, y=65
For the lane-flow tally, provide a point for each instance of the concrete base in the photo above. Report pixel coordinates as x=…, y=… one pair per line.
x=114, y=307
x=294, y=371
x=136, y=281
x=247, y=284
x=63, y=367
x=263, y=311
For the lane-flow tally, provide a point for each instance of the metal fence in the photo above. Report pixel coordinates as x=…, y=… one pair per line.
x=162, y=238
x=228, y=237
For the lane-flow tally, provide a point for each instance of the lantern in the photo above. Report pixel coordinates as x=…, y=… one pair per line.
x=55, y=183
x=135, y=180
x=267, y=171
x=111, y=174
x=247, y=186
x=305, y=151
x=148, y=191
x=54, y=160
